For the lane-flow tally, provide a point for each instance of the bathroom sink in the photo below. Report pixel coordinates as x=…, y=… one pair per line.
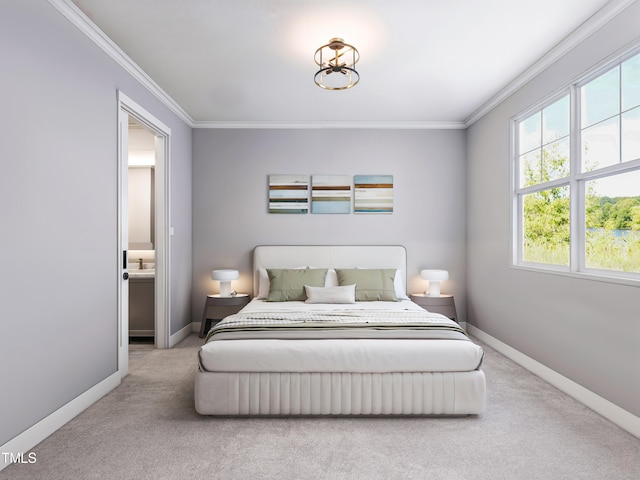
x=144, y=273
x=135, y=267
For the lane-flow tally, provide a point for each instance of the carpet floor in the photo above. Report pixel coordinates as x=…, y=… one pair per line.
x=147, y=428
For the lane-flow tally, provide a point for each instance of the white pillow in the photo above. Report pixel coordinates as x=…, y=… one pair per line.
x=331, y=280
x=401, y=294
x=263, y=283
x=342, y=294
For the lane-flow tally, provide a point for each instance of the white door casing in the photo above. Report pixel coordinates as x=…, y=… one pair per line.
x=123, y=243
x=127, y=107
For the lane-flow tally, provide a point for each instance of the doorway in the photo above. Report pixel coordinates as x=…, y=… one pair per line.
x=141, y=232
x=130, y=114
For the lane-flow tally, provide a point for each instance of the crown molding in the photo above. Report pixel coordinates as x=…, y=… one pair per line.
x=69, y=10
x=91, y=30
x=596, y=21
x=334, y=125
x=84, y=24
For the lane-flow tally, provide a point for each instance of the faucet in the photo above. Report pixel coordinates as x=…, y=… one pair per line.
x=140, y=265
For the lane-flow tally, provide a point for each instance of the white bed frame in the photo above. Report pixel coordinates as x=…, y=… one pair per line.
x=337, y=393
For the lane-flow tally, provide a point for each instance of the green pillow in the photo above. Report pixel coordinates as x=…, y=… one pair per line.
x=371, y=284
x=287, y=284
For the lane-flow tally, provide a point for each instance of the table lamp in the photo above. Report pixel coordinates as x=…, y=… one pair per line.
x=434, y=277
x=225, y=277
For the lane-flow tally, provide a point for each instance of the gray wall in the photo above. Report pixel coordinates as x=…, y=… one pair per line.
x=58, y=154
x=586, y=330
x=230, y=179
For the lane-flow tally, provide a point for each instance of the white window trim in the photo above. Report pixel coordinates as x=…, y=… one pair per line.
x=576, y=182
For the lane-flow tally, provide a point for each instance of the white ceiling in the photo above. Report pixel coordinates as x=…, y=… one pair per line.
x=423, y=62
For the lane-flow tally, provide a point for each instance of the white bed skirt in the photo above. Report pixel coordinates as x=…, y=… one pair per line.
x=264, y=393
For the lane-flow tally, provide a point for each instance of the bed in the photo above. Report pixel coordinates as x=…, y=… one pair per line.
x=324, y=354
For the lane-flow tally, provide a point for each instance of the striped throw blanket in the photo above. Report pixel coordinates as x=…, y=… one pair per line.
x=334, y=324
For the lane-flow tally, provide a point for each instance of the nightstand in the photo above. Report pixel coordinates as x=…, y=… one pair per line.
x=217, y=307
x=443, y=304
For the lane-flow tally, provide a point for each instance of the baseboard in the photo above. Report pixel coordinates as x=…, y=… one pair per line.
x=180, y=335
x=31, y=437
x=142, y=333
x=612, y=412
x=195, y=326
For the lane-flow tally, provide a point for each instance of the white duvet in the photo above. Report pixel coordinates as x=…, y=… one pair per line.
x=256, y=305
x=373, y=355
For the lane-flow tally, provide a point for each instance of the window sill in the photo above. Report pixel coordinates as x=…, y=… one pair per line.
x=591, y=276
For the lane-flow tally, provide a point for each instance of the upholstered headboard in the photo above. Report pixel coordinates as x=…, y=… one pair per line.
x=329, y=256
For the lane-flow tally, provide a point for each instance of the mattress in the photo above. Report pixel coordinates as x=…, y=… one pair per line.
x=315, y=346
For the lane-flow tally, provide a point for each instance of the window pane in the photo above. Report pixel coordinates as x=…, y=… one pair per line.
x=546, y=232
x=613, y=223
x=530, y=173
x=601, y=145
x=530, y=135
x=555, y=160
x=631, y=83
x=555, y=120
x=631, y=135
x=601, y=98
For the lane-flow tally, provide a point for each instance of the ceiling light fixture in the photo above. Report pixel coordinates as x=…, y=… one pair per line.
x=337, y=62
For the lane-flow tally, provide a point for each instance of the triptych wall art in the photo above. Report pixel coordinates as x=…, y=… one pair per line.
x=332, y=194
x=288, y=194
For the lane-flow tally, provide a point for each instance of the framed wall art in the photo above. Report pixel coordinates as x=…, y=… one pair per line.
x=373, y=194
x=331, y=194
x=288, y=194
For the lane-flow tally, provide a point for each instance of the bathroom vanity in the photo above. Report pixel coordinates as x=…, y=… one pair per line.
x=141, y=306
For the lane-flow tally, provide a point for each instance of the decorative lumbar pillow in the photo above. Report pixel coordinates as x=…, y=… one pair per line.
x=343, y=294
x=371, y=284
x=287, y=284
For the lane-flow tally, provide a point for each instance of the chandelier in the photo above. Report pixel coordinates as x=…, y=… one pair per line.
x=337, y=62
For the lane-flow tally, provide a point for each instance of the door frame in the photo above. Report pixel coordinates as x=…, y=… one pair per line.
x=127, y=107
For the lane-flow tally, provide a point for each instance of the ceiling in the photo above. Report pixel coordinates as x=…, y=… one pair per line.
x=422, y=62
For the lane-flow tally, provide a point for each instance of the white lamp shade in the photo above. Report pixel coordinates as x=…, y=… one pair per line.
x=434, y=274
x=225, y=277
x=434, y=277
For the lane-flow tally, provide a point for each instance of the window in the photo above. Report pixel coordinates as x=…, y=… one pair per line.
x=577, y=177
x=544, y=199
x=612, y=240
